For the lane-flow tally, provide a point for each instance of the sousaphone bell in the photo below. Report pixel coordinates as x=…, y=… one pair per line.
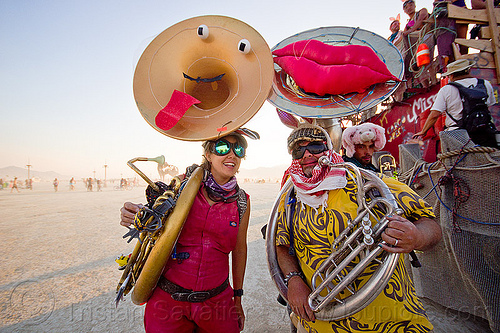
x=200, y=79
x=358, y=243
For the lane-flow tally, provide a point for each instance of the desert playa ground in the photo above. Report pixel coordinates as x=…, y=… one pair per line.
x=58, y=272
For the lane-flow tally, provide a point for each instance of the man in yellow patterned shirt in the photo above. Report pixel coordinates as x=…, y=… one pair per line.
x=325, y=204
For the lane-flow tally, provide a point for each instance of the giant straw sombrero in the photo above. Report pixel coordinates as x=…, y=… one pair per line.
x=287, y=95
x=203, y=77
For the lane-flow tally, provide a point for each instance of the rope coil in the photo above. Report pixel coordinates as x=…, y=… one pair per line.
x=478, y=149
x=461, y=190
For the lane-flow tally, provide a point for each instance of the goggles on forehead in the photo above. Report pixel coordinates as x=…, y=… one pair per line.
x=223, y=147
x=314, y=147
x=407, y=2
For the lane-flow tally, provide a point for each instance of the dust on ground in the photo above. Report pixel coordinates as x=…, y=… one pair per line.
x=58, y=272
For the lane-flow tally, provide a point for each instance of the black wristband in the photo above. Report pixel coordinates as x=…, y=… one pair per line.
x=238, y=292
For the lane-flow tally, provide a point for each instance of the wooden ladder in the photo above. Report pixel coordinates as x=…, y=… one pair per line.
x=489, y=44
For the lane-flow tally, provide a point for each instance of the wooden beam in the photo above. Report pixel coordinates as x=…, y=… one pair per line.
x=485, y=32
x=482, y=59
x=471, y=15
x=495, y=42
x=480, y=44
x=489, y=74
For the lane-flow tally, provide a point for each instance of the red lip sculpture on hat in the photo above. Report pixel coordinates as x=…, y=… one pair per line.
x=323, y=69
x=331, y=72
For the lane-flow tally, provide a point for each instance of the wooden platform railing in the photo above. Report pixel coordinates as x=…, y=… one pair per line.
x=489, y=44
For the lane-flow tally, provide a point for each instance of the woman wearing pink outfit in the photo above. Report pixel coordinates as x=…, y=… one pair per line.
x=194, y=293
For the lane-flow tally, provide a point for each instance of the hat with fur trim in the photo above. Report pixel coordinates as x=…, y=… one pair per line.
x=308, y=132
x=360, y=134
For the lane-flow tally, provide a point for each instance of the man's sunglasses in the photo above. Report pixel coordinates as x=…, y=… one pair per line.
x=313, y=148
x=223, y=147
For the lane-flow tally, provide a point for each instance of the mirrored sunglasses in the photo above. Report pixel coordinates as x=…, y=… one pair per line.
x=223, y=147
x=313, y=148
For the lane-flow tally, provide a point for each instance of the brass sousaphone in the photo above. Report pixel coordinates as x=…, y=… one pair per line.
x=200, y=79
x=358, y=242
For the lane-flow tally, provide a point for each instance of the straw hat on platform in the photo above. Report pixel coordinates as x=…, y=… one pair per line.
x=459, y=66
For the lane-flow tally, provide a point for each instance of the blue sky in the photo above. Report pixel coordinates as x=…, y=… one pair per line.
x=66, y=70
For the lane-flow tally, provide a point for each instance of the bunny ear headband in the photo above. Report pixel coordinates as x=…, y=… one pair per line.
x=398, y=18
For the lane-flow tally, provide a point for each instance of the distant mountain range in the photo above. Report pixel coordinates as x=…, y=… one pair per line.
x=22, y=173
x=266, y=173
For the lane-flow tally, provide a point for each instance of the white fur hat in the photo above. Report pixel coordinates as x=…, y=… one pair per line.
x=362, y=133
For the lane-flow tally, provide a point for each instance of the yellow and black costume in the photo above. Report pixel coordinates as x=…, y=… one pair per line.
x=397, y=308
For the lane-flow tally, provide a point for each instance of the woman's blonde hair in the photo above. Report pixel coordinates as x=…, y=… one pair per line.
x=208, y=147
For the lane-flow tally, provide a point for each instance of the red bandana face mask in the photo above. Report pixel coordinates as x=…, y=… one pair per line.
x=313, y=190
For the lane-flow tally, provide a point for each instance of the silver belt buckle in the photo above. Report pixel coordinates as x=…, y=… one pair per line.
x=179, y=296
x=198, y=296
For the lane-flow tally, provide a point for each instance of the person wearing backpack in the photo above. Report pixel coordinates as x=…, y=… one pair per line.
x=465, y=101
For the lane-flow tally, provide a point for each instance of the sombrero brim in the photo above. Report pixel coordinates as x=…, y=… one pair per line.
x=310, y=106
x=179, y=50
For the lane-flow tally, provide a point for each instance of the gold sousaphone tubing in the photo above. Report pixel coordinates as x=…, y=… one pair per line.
x=159, y=159
x=153, y=250
x=200, y=79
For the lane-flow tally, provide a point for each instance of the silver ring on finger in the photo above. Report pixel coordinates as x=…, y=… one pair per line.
x=396, y=244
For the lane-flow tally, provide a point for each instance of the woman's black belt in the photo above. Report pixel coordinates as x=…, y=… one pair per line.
x=185, y=295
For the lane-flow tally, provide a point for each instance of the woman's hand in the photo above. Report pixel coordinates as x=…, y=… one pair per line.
x=240, y=313
x=127, y=213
